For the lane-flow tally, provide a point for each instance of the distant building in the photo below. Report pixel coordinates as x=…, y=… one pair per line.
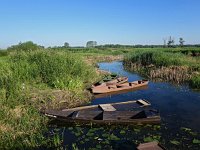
x=91, y=44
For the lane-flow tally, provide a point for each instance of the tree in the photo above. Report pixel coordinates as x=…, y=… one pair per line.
x=26, y=46
x=170, y=42
x=91, y=44
x=181, y=41
x=66, y=44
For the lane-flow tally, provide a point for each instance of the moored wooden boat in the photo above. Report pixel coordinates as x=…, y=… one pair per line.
x=110, y=94
x=117, y=80
x=119, y=87
x=150, y=146
x=120, y=113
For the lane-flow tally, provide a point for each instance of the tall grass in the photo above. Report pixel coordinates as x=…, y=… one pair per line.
x=168, y=65
x=21, y=125
x=158, y=58
x=195, y=82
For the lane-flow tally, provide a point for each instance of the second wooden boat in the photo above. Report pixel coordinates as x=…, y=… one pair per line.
x=117, y=80
x=119, y=87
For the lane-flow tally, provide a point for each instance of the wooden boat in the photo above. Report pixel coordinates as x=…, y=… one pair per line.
x=117, y=80
x=110, y=94
x=150, y=146
x=120, y=113
x=119, y=87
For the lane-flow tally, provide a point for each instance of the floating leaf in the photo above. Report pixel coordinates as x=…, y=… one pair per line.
x=157, y=137
x=106, y=142
x=148, y=125
x=93, y=129
x=156, y=127
x=87, y=139
x=185, y=129
x=136, y=130
x=175, y=142
x=113, y=137
x=122, y=132
x=70, y=128
x=192, y=133
x=148, y=139
x=105, y=135
x=78, y=134
x=89, y=134
x=98, y=146
x=82, y=142
x=196, y=141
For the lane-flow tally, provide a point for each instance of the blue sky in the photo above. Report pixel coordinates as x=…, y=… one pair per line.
x=53, y=22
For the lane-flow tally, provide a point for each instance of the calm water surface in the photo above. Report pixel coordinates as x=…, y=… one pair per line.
x=178, y=105
x=179, y=109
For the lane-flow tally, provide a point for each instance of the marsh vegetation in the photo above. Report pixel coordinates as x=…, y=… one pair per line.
x=33, y=78
x=167, y=65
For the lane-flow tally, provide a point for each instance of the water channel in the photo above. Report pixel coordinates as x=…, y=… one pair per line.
x=179, y=109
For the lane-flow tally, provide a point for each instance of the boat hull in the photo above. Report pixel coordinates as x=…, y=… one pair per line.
x=119, y=87
x=114, y=113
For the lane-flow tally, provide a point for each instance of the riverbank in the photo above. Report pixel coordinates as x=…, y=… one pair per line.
x=41, y=79
x=165, y=66
x=36, y=80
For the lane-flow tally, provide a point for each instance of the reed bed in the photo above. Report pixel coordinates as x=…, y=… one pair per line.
x=163, y=65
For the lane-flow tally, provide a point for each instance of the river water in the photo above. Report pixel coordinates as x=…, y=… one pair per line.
x=179, y=109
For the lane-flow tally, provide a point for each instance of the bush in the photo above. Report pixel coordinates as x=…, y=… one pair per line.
x=26, y=46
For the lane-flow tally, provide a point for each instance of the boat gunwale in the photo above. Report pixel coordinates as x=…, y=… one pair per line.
x=119, y=87
x=94, y=106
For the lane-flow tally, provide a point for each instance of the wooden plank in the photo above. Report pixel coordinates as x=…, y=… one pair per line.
x=143, y=102
x=107, y=107
x=57, y=113
x=119, y=115
x=95, y=106
x=89, y=115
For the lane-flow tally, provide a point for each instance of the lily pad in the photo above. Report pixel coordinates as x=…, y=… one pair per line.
x=70, y=128
x=98, y=146
x=175, y=142
x=136, y=130
x=196, y=141
x=114, y=137
x=105, y=135
x=185, y=129
x=157, y=137
x=122, y=132
x=148, y=139
x=78, y=134
x=87, y=140
x=89, y=134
